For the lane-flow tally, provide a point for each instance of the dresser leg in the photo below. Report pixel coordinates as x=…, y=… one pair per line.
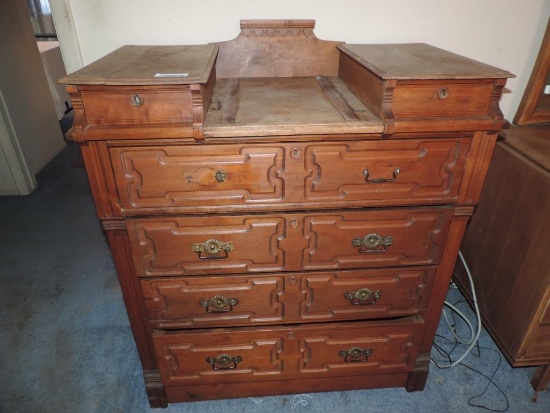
x=155, y=390
x=418, y=377
x=541, y=378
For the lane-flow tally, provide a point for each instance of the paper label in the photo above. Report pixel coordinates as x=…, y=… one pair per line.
x=171, y=74
x=547, y=90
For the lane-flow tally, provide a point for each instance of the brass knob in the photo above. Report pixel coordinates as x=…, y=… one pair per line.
x=220, y=176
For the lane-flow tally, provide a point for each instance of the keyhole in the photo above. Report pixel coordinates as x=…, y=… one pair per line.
x=443, y=93
x=137, y=100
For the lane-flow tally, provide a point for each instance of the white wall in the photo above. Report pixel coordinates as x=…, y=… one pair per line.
x=29, y=132
x=504, y=33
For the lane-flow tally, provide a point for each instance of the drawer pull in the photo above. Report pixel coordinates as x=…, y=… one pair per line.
x=372, y=243
x=219, y=304
x=220, y=176
x=137, y=100
x=380, y=180
x=224, y=362
x=363, y=296
x=209, y=249
x=355, y=354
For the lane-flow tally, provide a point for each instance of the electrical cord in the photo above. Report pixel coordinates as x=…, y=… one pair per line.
x=474, y=335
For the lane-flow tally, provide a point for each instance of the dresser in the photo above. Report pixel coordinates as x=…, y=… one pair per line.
x=284, y=212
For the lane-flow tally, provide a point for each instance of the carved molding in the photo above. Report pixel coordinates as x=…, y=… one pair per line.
x=79, y=120
x=113, y=225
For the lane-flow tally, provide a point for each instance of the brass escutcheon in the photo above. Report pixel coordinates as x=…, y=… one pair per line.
x=137, y=100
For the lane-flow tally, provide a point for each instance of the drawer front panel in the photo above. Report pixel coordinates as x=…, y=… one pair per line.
x=442, y=99
x=207, y=245
x=180, y=176
x=242, y=355
x=137, y=106
x=376, y=238
x=390, y=172
x=194, y=302
x=196, y=178
x=288, y=242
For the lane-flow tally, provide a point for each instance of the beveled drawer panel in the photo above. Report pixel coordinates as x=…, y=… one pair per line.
x=386, y=172
x=193, y=302
x=207, y=245
x=288, y=242
x=136, y=105
x=441, y=98
x=205, y=175
x=379, y=238
x=256, y=354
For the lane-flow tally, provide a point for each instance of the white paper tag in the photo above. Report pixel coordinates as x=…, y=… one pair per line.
x=547, y=90
x=171, y=74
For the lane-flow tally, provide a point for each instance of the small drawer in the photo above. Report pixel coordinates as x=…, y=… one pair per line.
x=441, y=98
x=288, y=242
x=392, y=172
x=194, y=302
x=131, y=105
x=258, y=354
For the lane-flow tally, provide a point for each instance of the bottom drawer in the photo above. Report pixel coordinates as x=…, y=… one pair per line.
x=220, y=356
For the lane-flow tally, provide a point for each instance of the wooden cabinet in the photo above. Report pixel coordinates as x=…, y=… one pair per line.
x=506, y=246
x=282, y=227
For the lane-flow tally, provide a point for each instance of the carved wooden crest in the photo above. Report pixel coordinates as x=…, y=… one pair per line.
x=277, y=48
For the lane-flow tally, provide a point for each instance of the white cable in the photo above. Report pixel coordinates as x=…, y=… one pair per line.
x=473, y=339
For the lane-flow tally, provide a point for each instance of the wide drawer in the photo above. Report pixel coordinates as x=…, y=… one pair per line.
x=258, y=354
x=138, y=105
x=166, y=246
x=195, y=178
x=193, y=302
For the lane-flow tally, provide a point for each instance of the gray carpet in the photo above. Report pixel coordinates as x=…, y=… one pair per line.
x=66, y=346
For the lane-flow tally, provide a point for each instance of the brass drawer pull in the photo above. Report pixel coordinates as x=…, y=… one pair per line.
x=209, y=249
x=372, y=243
x=219, y=304
x=224, y=362
x=380, y=180
x=220, y=176
x=137, y=100
x=355, y=354
x=363, y=296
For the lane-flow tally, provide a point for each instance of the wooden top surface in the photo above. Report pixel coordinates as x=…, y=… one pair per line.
x=418, y=61
x=532, y=141
x=138, y=65
x=287, y=106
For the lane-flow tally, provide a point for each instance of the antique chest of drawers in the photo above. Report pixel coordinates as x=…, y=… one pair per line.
x=284, y=212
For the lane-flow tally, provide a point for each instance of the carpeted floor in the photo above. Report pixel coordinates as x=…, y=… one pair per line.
x=66, y=346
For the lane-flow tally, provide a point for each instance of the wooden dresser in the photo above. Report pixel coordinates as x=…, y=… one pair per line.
x=284, y=212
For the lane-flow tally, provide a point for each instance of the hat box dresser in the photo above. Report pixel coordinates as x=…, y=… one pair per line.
x=284, y=212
